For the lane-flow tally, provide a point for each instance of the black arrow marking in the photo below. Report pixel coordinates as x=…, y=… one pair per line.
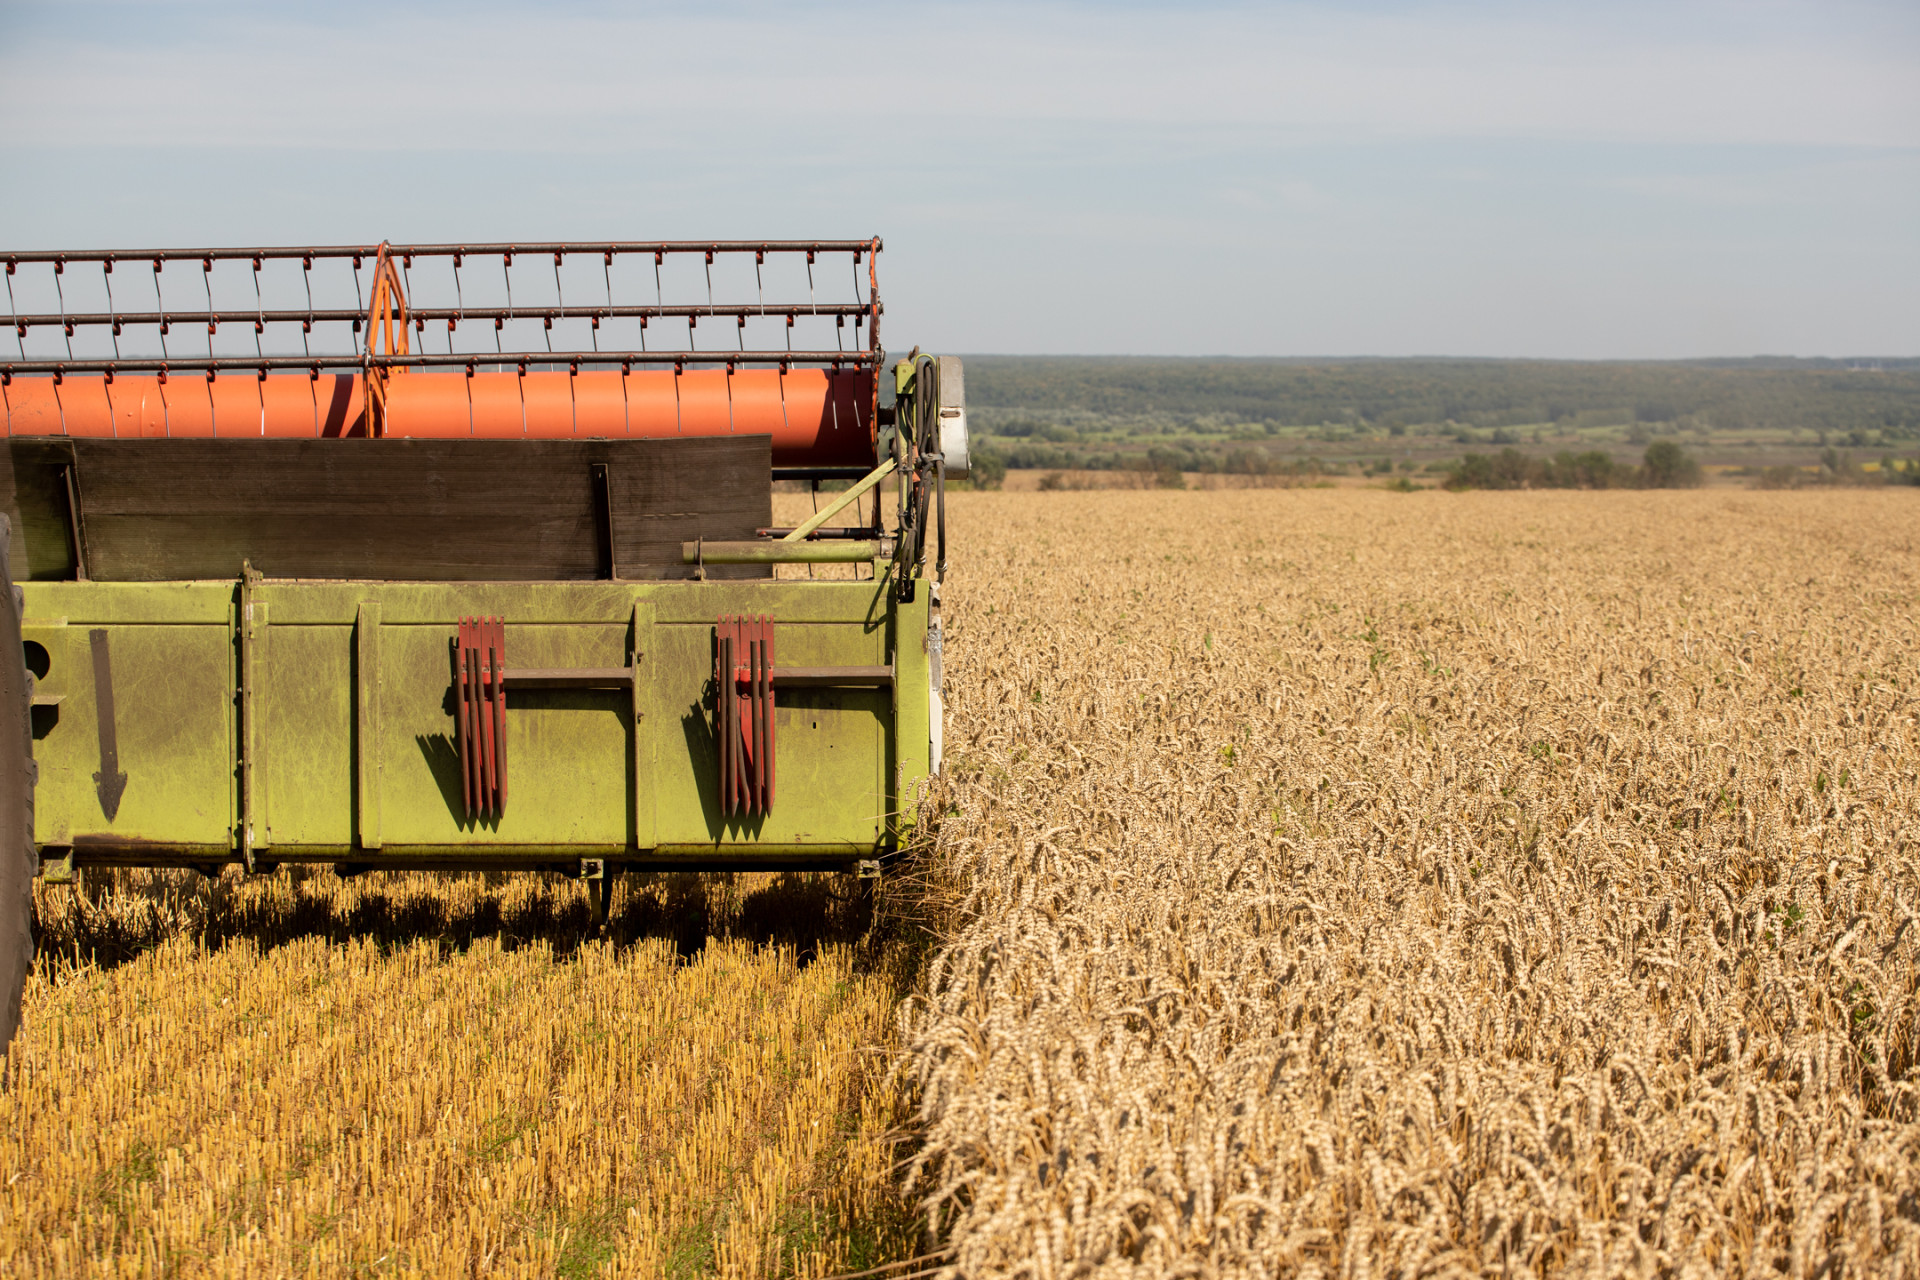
x=110, y=784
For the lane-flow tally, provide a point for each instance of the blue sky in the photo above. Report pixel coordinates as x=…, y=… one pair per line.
x=1595, y=180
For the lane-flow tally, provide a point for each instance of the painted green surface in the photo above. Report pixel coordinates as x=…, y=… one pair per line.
x=784, y=552
x=174, y=690
x=352, y=747
x=912, y=673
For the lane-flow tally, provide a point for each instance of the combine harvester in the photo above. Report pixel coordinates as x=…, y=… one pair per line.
x=459, y=557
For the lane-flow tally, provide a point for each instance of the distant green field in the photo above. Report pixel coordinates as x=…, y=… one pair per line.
x=1422, y=416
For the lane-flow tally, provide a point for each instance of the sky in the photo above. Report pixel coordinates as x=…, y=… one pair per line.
x=1595, y=180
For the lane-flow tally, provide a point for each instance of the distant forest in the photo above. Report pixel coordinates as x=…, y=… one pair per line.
x=1400, y=395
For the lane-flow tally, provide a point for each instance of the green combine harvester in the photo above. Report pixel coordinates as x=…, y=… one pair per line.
x=459, y=557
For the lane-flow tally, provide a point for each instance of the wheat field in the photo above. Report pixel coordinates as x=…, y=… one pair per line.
x=1367, y=884
x=1323, y=883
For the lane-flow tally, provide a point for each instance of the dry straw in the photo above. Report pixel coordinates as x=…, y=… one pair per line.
x=414, y=1076
x=1347, y=883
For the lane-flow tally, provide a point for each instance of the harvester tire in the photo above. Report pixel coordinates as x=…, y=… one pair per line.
x=17, y=854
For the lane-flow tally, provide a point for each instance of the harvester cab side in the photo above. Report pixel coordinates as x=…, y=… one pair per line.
x=463, y=556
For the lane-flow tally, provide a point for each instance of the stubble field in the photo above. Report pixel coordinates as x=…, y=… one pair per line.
x=1328, y=882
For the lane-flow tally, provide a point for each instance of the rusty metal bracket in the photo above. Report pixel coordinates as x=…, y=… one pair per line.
x=389, y=297
x=743, y=685
x=480, y=720
x=481, y=681
x=745, y=680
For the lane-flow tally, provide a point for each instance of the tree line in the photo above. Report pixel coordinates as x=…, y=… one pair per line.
x=1664, y=466
x=1833, y=396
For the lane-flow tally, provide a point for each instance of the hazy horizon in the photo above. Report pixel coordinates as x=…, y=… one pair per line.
x=1338, y=357
x=1695, y=180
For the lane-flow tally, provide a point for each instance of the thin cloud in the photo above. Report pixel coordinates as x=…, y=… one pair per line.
x=1694, y=178
x=581, y=79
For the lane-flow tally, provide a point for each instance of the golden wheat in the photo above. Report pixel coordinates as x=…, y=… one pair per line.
x=1351, y=882
x=405, y=1075
x=1376, y=884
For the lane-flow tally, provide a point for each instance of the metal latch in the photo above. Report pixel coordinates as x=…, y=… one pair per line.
x=481, y=681
x=743, y=680
x=480, y=719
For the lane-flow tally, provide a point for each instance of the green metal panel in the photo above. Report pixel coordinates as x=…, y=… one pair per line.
x=826, y=783
x=568, y=776
x=319, y=715
x=785, y=552
x=913, y=674
x=369, y=772
x=646, y=790
x=830, y=743
x=173, y=690
x=144, y=603
x=402, y=603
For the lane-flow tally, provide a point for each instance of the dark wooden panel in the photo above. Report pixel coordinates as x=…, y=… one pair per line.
x=32, y=481
x=679, y=488
x=421, y=510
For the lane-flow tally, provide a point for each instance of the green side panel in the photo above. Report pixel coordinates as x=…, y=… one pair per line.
x=359, y=757
x=173, y=729
x=309, y=718
x=521, y=603
x=143, y=603
x=830, y=744
x=568, y=766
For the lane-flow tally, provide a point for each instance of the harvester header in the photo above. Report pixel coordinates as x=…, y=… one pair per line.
x=454, y=556
x=500, y=340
